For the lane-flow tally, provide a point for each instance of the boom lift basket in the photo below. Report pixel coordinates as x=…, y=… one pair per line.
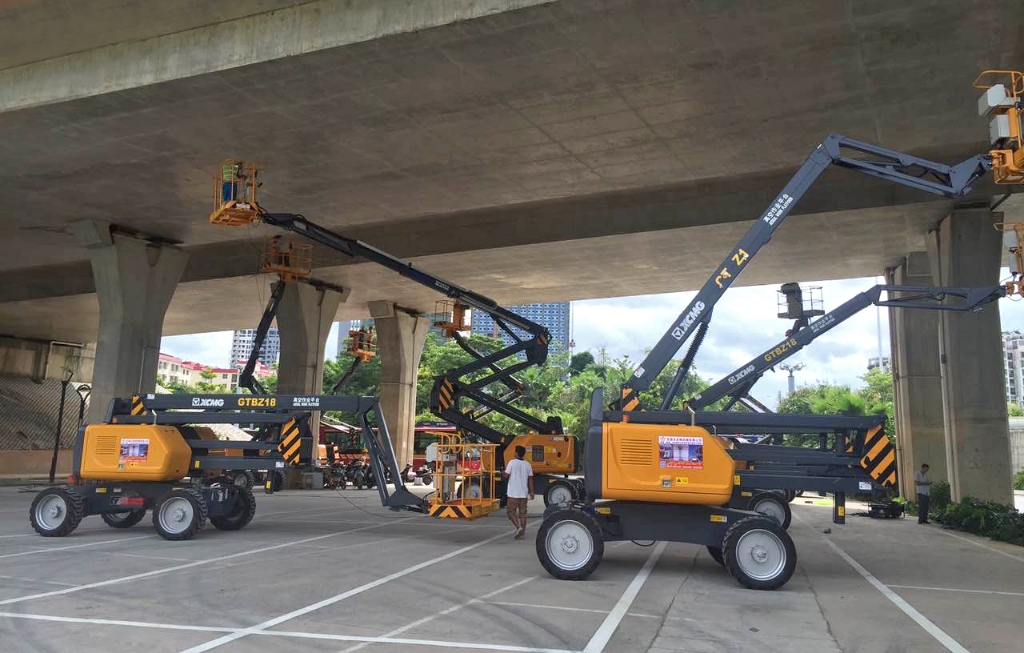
x=795, y=303
x=1003, y=100
x=291, y=261
x=465, y=479
x=450, y=317
x=234, y=194
x=362, y=344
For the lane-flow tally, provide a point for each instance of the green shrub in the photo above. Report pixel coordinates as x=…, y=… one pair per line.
x=1018, y=480
x=940, y=497
x=994, y=520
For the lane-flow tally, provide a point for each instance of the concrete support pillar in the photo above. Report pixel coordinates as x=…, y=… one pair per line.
x=920, y=423
x=965, y=250
x=304, y=320
x=400, y=338
x=135, y=281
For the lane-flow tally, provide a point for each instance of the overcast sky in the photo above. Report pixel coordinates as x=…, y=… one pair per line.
x=743, y=326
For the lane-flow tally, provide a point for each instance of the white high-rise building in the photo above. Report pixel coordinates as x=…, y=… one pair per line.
x=553, y=315
x=1013, y=353
x=244, y=340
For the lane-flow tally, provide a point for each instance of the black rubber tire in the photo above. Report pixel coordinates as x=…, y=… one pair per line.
x=790, y=495
x=427, y=479
x=195, y=497
x=241, y=513
x=243, y=479
x=579, y=489
x=74, y=511
x=278, y=481
x=716, y=554
x=798, y=493
x=587, y=522
x=123, y=519
x=779, y=502
x=747, y=525
x=558, y=484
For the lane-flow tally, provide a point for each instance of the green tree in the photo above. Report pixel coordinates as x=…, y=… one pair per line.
x=580, y=362
x=208, y=385
x=1013, y=410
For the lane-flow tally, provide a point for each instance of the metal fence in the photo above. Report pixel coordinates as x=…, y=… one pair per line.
x=28, y=413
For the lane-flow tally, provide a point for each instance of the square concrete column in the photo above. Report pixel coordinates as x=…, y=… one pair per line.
x=400, y=338
x=304, y=320
x=920, y=422
x=965, y=250
x=135, y=280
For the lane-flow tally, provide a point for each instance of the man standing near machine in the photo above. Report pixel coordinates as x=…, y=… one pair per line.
x=518, y=475
x=924, y=491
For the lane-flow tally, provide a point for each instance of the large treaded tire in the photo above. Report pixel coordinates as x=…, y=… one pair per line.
x=740, y=557
x=68, y=502
x=241, y=513
x=123, y=519
x=198, y=518
x=243, y=479
x=779, y=505
x=716, y=555
x=569, y=524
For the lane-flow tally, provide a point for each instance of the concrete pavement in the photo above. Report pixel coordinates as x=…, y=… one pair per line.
x=335, y=572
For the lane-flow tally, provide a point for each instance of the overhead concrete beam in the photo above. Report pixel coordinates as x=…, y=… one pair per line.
x=300, y=29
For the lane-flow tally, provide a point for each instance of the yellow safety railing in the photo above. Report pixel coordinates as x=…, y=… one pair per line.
x=465, y=478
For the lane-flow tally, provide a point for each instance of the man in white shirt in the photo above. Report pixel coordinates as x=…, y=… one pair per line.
x=518, y=475
x=924, y=491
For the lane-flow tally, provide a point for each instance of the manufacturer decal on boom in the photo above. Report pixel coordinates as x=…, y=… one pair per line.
x=207, y=403
x=821, y=323
x=738, y=376
x=306, y=402
x=688, y=320
x=781, y=204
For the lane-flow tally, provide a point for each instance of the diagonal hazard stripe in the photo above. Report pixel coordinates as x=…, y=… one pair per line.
x=877, y=450
x=292, y=454
x=876, y=470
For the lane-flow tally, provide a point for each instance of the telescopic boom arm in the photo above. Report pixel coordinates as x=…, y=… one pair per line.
x=936, y=178
x=738, y=383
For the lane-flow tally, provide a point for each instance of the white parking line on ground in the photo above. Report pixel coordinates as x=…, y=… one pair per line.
x=541, y=606
x=73, y=546
x=955, y=589
x=604, y=633
x=270, y=623
x=207, y=561
x=443, y=613
x=41, y=582
x=271, y=633
x=937, y=633
x=981, y=544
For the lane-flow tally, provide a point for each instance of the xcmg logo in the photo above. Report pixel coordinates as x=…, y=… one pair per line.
x=207, y=403
x=687, y=321
x=739, y=376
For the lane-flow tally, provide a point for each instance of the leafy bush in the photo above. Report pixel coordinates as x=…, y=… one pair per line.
x=940, y=497
x=1018, y=480
x=994, y=520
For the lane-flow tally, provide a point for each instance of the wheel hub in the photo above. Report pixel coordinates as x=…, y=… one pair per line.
x=55, y=512
x=570, y=544
x=759, y=554
x=178, y=514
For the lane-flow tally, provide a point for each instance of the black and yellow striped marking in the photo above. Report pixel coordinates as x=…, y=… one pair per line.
x=445, y=394
x=291, y=442
x=848, y=443
x=451, y=512
x=138, y=408
x=880, y=460
x=632, y=403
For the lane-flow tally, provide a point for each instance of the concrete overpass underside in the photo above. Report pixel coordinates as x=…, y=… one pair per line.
x=529, y=149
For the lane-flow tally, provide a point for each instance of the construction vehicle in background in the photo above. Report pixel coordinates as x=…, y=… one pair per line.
x=147, y=455
x=672, y=475
x=462, y=396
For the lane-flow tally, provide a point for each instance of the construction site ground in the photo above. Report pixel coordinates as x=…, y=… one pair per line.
x=330, y=571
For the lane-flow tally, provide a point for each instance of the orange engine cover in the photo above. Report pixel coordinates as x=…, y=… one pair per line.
x=133, y=452
x=547, y=454
x=666, y=464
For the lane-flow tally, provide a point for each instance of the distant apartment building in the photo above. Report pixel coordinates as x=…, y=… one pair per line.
x=171, y=369
x=553, y=315
x=245, y=339
x=1013, y=353
x=874, y=364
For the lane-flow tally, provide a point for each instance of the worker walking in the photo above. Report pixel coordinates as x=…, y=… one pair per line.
x=518, y=475
x=924, y=492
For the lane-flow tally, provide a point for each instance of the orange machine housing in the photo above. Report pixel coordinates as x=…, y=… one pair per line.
x=666, y=464
x=548, y=454
x=133, y=452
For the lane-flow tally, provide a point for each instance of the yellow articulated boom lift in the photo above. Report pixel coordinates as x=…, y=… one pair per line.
x=675, y=475
x=147, y=455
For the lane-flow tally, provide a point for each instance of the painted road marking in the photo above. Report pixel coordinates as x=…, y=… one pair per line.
x=270, y=623
x=540, y=606
x=611, y=623
x=158, y=572
x=940, y=635
x=981, y=544
x=955, y=589
x=73, y=546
